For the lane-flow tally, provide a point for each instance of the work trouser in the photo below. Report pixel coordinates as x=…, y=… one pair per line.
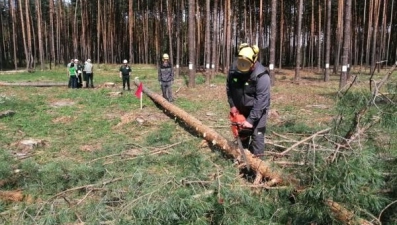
x=89, y=80
x=166, y=88
x=79, y=81
x=126, y=80
x=73, y=81
x=256, y=143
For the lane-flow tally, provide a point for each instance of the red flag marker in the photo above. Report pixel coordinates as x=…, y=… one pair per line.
x=138, y=92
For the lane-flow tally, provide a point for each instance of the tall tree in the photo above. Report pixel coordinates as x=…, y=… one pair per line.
x=369, y=31
x=319, y=31
x=14, y=34
x=51, y=35
x=131, y=30
x=191, y=44
x=339, y=36
x=273, y=32
x=227, y=35
x=346, y=44
x=298, y=36
x=169, y=29
x=328, y=41
x=281, y=39
x=215, y=39
x=388, y=39
x=39, y=33
x=375, y=49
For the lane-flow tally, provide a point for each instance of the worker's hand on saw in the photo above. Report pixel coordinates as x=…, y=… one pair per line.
x=233, y=111
x=247, y=124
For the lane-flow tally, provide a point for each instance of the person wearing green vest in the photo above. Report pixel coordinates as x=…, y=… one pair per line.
x=73, y=76
x=125, y=73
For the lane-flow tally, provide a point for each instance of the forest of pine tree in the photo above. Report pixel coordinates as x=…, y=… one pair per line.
x=37, y=34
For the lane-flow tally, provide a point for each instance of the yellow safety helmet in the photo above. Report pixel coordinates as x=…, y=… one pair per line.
x=241, y=46
x=247, y=57
x=256, y=49
x=165, y=56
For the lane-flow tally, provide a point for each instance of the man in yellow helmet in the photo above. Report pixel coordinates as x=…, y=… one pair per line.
x=166, y=77
x=248, y=92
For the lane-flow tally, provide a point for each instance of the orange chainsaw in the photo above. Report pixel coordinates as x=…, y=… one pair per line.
x=240, y=133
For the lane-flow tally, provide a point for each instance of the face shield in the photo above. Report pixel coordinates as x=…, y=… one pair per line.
x=245, y=59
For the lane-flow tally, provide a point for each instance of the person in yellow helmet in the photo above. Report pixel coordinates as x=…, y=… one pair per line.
x=166, y=77
x=248, y=93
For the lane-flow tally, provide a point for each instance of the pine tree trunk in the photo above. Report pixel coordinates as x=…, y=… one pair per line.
x=227, y=36
x=346, y=44
x=339, y=36
x=215, y=40
x=281, y=39
x=328, y=42
x=319, y=31
x=273, y=32
x=169, y=29
x=39, y=33
x=191, y=44
x=388, y=39
x=369, y=33
x=51, y=35
x=131, y=30
x=375, y=53
x=14, y=34
x=298, y=42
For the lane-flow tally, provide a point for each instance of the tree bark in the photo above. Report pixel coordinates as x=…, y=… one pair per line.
x=273, y=33
x=14, y=34
x=39, y=33
x=375, y=53
x=51, y=35
x=192, y=52
x=339, y=36
x=328, y=42
x=346, y=45
x=298, y=42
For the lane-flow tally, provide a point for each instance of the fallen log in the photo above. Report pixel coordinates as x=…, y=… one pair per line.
x=344, y=215
x=34, y=84
x=262, y=168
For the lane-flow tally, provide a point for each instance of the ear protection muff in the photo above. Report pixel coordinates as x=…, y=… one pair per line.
x=247, y=56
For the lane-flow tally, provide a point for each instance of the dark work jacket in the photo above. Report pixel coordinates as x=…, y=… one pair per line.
x=165, y=73
x=249, y=92
x=125, y=70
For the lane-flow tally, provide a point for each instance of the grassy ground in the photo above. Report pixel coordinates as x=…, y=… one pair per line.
x=102, y=160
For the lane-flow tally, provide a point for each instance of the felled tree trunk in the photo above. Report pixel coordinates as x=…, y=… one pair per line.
x=262, y=168
x=34, y=84
x=344, y=215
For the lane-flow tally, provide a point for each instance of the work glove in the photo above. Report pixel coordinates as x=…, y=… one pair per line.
x=234, y=111
x=246, y=124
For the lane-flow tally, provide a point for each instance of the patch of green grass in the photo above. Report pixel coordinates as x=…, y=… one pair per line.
x=162, y=136
x=99, y=165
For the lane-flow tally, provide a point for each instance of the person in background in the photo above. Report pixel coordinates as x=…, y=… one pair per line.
x=73, y=76
x=166, y=77
x=67, y=73
x=248, y=93
x=89, y=75
x=125, y=73
x=79, y=71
